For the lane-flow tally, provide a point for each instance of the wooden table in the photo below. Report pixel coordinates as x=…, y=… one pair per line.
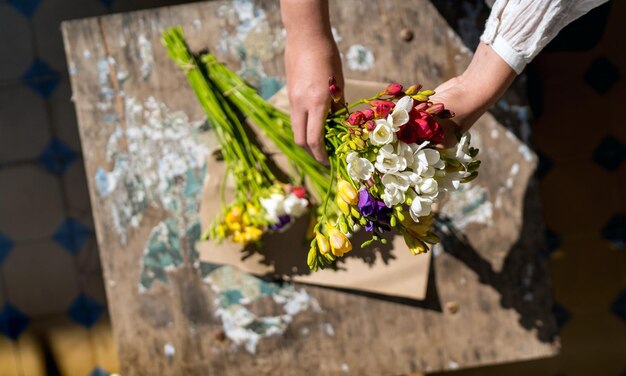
x=145, y=144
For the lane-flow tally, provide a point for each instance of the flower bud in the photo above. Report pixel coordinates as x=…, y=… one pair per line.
x=413, y=89
x=420, y=97
x=322, y=243
x=435, y=108
x=393, y=89
x=382, y=108
x=347, y=192
x=339, y=243
x=343, y=206
x=356, y=118
x=335, y=91
x=312, y=258
x=421, y=107
x=368, y=113
x=427, y=93
x=370, y=125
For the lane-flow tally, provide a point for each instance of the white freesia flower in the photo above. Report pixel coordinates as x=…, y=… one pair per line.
x=388, y=162
x=425, y=161
x=359, y=168
x=429, y=187
x=295, y=206
x=393, y=196
x=398, y=180
x=274, y=206
x=400, y=114
x=461, y=151
x=420, y=207
x=383, y=134
x=450, y=181
x=405, y=151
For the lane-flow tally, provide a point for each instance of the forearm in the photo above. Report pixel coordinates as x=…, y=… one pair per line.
x=306, y=20
x=486, y=79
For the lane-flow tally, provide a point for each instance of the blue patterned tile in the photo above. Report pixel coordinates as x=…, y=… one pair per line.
x=601, y=75
x=561, y=315
x=6, y=245
x=98, y=372
x=26, y=7
x=12, y=322
x=615, y=231
x=619, y=306
x=41, y=77
x=610, y=153
x=72, y=235
x=107, y=3
x=85, y=311
x=56, y=157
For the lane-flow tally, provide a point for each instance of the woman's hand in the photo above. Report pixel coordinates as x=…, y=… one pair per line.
x=311, y=57
x=472, y=93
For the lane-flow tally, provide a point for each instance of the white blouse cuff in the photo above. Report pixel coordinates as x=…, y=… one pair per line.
x=503, y=48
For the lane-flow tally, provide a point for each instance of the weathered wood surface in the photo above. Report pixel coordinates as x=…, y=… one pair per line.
x=173, y=315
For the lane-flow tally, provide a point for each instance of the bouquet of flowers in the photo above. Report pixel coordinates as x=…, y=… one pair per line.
x=386, y=167
x=262, y=203
x=388, y=170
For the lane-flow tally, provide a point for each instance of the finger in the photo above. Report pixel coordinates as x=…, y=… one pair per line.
x=315, y=133
x=298, y=125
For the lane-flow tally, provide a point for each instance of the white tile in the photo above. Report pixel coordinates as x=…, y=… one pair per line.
x=30, y=203
x=24, y=129
x=63, y=115
x=47, y=27
x=16, y=49
x=40, y=278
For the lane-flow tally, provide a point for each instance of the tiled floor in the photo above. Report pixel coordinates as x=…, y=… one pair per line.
x=581, y=135
x=52, y=301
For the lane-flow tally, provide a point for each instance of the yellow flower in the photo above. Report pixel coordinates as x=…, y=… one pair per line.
x=322, y=243
x=343, y=206
x=339, y=243
x=233, y=218
x=253, y=234
x=347, y=192
x=415, y=245
x=252, y=209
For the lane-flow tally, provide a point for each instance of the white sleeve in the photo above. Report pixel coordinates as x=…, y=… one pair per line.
x=518, y=30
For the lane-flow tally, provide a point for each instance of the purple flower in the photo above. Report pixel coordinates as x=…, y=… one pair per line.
x=377, y=213
x=283, y=221
x=367, y=203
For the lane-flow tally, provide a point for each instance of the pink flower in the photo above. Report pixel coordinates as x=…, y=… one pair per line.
x=335, y=90
x=356, y=118
x=368, y=113
x=393, y=89
x=370, y=126
x=382, y=108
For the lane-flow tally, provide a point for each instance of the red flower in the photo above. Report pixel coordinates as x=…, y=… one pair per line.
x=382, y=108
x=368, y=113
x=421, y=127
x=407, y=133
x=356, y=118
x=299, y=191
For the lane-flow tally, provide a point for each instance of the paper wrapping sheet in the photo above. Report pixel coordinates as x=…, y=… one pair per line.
x=383, y=269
